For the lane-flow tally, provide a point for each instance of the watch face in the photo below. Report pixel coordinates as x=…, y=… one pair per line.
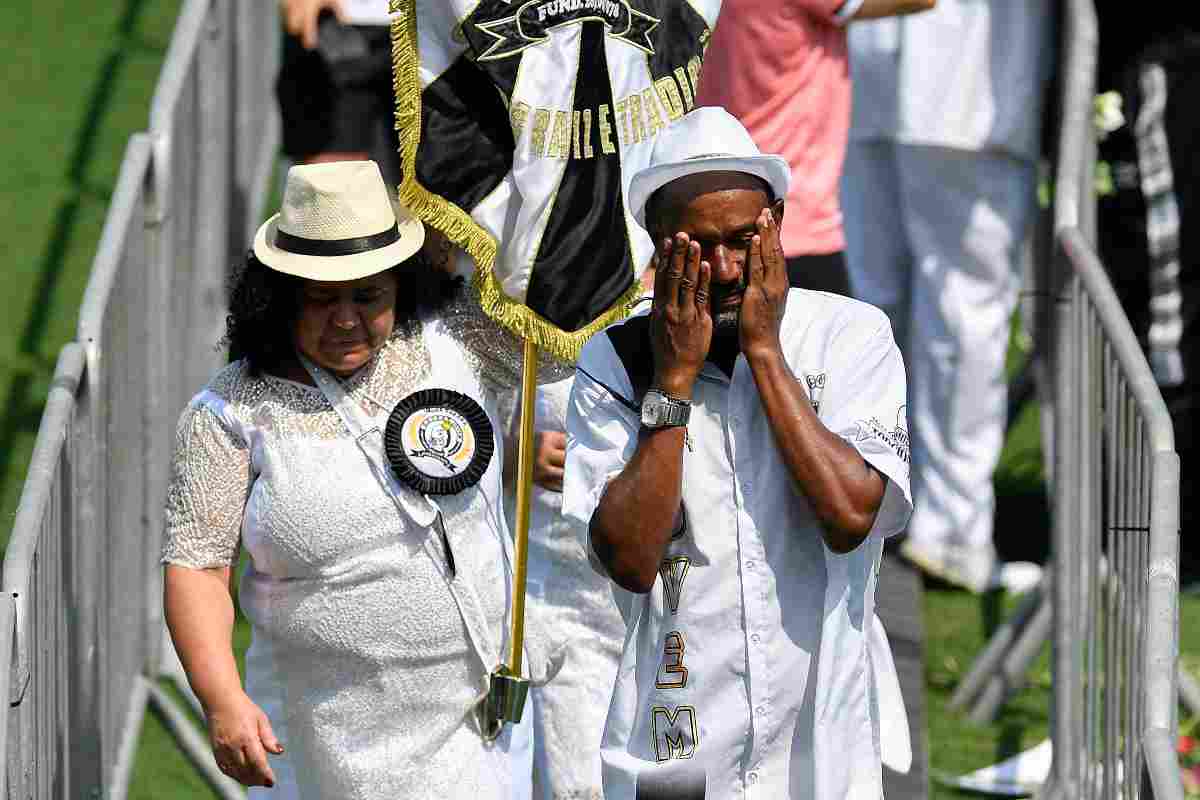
x=650, y=411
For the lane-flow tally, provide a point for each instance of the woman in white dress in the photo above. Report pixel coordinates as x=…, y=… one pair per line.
x=378, y=571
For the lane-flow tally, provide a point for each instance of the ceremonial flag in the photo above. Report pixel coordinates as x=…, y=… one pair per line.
x=521, y=125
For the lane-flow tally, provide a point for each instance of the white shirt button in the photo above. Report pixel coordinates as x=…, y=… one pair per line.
x=760, y=710
x=749, y=565
x=755, y=638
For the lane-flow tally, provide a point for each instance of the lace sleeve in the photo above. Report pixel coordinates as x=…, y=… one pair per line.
x=210, y=481
x=495, y=351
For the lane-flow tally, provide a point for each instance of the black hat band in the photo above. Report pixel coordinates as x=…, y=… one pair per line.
x=302, y=246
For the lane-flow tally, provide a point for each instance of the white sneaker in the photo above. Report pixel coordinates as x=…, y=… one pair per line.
x=975, y=569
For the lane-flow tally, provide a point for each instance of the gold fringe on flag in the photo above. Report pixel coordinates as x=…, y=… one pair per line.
x=457, y=224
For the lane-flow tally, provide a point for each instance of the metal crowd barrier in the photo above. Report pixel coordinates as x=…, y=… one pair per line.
x=1110, y=600
x=1116, y=625
x=1116, y=502
x=81, y=629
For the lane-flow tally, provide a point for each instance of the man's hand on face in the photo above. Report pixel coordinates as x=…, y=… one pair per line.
x=680, y=318
x=766, y=291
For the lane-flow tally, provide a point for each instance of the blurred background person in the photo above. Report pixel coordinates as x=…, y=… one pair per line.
x=335, y=83
x=335, y=91
x=1147, y=199
x=939, y=194
x=782, y=69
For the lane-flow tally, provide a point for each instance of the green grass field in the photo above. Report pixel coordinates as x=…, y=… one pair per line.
x=79, y=81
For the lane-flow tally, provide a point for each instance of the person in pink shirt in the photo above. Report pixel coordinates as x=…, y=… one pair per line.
x=782, y=68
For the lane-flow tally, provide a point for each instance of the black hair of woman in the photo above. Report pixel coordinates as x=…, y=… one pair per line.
x=263, y=304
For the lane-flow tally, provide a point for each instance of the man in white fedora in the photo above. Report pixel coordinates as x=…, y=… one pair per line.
x=738, y=455
x=350, y=451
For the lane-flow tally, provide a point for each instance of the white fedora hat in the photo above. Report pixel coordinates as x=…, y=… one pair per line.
x=708, y=139
x=337, y=223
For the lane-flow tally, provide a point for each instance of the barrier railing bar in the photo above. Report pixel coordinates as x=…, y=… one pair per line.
x=8, y=634
x=1124, y=343
x=172, y=82
x=185, y=39
x=122, y=770
x=111, y=249
x=39, y=483
x=1071, y=178
x=1159, y=727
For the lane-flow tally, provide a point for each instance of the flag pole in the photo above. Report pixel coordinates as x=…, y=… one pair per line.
x=508, y=690
x=524, y=490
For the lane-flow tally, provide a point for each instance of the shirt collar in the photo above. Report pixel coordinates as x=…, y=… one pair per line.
x=712, y=372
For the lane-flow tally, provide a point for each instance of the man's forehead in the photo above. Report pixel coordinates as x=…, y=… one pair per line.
x=682, y=191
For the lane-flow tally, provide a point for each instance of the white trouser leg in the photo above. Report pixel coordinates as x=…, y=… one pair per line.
x=966, y=216
x=877, y=254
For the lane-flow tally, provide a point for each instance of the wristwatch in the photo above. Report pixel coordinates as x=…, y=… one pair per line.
x=663, y=411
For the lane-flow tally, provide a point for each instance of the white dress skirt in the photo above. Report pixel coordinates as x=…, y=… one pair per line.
x=369, y=654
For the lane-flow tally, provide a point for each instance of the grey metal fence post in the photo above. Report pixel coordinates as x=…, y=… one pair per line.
x=1079, y=45
x=213, y=184
x=35, y=582
x=87, y=700
x=1160, y=725
x=8, y=633
x=257, y=48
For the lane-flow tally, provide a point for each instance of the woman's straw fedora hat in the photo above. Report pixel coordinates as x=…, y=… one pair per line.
x=337, y=224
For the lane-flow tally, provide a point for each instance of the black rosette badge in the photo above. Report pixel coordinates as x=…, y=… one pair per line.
x=439, y=441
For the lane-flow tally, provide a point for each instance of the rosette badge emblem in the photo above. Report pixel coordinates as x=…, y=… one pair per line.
x=441, y=435
x=439, y=441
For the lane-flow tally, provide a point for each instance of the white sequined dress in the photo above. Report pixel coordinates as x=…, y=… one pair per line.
x=368, y=656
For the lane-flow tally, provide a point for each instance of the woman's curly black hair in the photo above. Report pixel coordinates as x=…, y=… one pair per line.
x=263, y=304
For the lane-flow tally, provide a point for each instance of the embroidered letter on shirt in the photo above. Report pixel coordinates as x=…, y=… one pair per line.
x=816, y=387
x=673, y=571
x=675, y=733
x=672, y=674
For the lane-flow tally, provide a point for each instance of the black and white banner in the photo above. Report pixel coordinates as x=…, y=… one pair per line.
x=532, y=119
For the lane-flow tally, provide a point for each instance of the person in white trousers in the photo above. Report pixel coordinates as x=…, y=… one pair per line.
x=939, y=190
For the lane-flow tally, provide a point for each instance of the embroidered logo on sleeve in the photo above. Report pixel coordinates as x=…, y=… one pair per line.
x=896, y=438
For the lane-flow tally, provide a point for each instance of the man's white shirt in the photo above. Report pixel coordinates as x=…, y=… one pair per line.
x=747, y=669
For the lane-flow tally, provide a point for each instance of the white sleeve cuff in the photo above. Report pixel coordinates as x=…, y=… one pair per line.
x=846, y=13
